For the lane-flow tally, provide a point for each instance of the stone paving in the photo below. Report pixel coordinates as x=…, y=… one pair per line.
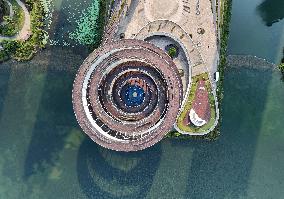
x=194, y=17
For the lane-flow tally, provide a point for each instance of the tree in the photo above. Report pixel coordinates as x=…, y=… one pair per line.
x=172, y=52
x=271, y=11
x=2, y=10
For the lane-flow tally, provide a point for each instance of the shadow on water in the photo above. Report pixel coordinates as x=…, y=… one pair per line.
x=271, y=11
x=4, y=80
x=221, y=169
x=55, y=116
x=108, y=174
x=53, y=122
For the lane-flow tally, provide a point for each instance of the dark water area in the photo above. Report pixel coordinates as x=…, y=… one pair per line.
x=45, y=154
x=271, y=11
x=257, y=29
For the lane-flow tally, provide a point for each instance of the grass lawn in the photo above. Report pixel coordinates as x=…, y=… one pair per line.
x=188, y=105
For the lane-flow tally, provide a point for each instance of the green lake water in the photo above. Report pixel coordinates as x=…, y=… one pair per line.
x=44, y=154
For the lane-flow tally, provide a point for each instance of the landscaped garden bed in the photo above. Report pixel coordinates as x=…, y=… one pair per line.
x=22, y=50
x=188, y=127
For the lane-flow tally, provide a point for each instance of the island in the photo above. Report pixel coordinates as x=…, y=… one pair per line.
x=157, y=73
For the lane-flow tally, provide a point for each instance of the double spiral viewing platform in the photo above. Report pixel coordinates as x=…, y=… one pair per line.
x=141, y=82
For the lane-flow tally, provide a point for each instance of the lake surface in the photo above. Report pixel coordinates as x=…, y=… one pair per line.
x=255, y=30
x=44, y=154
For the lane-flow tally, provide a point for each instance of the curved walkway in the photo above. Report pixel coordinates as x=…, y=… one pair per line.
x=92, y=117
x=169, y=28
x=25, y=32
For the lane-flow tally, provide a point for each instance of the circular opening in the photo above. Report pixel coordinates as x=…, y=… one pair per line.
x=133, y=95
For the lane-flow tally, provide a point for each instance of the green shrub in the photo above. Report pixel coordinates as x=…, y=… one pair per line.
x=172, y=52
x=12, y=26
x=3, y=56
x=24, y=50
x=281, y=67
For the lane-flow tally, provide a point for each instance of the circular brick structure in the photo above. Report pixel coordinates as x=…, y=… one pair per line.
x=127, y=95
